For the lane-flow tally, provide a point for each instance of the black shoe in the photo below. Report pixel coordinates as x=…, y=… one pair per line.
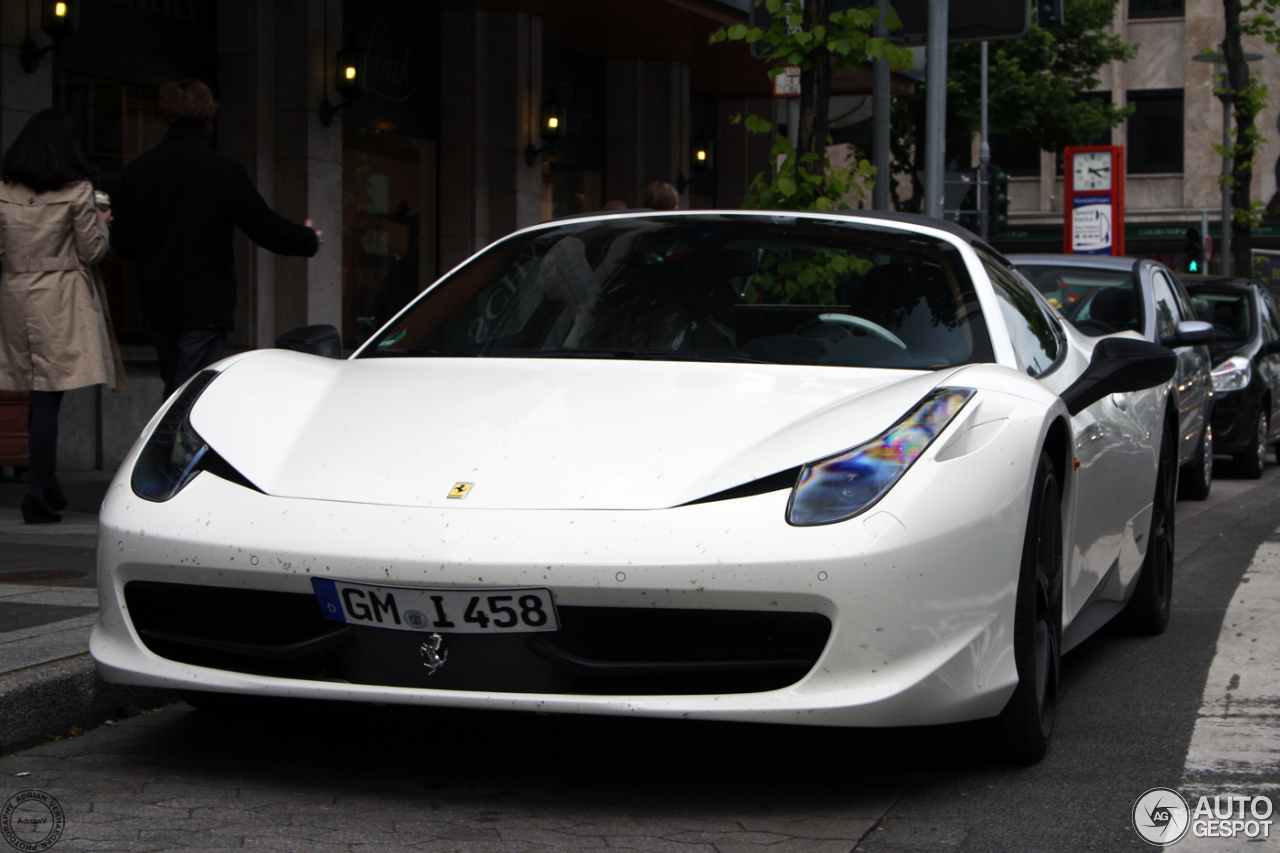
x=54, y=499
x=36, y=511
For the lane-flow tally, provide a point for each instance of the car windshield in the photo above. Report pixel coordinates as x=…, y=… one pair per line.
x=1230, y=311
x=713, y=287
x=1096, y=301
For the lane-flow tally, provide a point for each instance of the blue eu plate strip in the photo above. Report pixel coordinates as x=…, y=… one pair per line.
x=327, y=592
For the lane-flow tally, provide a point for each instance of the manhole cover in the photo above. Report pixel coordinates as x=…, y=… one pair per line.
x=37, y=575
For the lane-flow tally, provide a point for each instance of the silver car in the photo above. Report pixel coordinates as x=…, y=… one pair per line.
x=1101, y=295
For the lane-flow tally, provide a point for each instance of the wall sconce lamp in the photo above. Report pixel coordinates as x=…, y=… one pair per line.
x=348, y=83
x=550, y=128
x=702, y=152
x=59, y=19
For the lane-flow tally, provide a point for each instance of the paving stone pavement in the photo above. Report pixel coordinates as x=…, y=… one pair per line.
x=310, y=777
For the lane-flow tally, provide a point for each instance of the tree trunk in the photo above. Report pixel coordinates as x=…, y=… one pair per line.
x=1237, y=83
x=815, y=92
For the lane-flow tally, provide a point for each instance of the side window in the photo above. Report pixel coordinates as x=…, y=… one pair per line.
x=1184, y=301
x=1270, y=319
x=1166, y=306
x=1034, y=338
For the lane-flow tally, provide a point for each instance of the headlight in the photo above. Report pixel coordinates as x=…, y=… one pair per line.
x=173, y=454
x=842, y=486
x=1232, y=375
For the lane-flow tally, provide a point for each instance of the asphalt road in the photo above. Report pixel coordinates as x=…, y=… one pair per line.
x=318, y=778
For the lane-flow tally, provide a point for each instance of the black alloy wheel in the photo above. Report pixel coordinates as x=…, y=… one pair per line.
x=1197, y=477
x=1253, y=462
x=1147, y=612
x=1020, y=734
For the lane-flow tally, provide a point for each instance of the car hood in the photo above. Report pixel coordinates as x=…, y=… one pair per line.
x=536, y=433
x=1220, y=351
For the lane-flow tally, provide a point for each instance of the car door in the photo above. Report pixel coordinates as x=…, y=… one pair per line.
x=1114, y=481
x=1193, y=380
x=1269, y=365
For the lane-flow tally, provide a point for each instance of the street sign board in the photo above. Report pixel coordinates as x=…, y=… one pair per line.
x=1093, y=212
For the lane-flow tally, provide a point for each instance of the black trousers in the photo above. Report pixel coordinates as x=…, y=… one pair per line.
x=183, y=353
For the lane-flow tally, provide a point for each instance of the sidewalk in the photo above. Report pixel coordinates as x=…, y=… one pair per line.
x=48, y=603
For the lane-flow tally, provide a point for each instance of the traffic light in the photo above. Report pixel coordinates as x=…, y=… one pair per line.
x=1050, y=14
x=997, y=200
x=1195, y=252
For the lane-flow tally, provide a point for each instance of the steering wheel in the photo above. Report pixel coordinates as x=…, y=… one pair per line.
x=850, y=322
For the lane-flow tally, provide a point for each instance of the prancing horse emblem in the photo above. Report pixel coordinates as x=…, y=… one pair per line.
x=434, y=654
x=460, y=490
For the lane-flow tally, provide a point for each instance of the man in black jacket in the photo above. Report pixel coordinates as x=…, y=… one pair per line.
x=180, y=204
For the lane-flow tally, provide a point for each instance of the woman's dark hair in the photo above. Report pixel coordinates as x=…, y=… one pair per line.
x=46, y=155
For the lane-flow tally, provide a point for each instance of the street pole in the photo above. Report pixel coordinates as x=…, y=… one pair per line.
x=984, y=156
x=935, y=120
x=1204, y=232
x=1226, y=184
x=880, y=107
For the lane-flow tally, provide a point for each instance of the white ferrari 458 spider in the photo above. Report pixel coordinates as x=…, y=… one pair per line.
x=827, y=469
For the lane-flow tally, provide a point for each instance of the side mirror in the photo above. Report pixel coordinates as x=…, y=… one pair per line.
x=1190, y=332
x=322, y=340
x=1271, y=348
x=1119, y=365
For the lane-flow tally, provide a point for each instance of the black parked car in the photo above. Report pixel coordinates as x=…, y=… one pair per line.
x=1101, y=295
x=1246, y=366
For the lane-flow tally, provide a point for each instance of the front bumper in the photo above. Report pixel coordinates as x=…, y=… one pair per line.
x=919, y=591
x=1234, y=414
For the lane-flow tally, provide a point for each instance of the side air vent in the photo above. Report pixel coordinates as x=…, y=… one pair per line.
x=772, y=483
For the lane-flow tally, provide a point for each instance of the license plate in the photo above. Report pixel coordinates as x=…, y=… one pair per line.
x=452, y=611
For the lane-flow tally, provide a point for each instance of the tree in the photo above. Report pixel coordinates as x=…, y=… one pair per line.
x=1245, y=96
x=1036, y=85
x=818, y=41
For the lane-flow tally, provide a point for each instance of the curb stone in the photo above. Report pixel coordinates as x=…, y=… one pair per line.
x=47, y=700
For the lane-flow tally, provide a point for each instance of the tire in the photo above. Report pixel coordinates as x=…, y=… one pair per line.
x=1196, y=479
x=1020, y=734
x=1147, y=612
x=1254, y=462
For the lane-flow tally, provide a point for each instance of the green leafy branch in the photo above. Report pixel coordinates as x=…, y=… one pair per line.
x=1246, y=104
x=847, y=35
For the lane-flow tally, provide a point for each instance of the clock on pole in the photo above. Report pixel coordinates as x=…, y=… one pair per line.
x=1093, y=212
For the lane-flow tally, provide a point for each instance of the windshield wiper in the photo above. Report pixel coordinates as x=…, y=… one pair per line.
x=434, y=352
x=639, y=354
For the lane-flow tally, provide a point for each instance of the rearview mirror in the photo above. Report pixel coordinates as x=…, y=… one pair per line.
x=322, y=340
x=1119, y=365
x=1190, y=332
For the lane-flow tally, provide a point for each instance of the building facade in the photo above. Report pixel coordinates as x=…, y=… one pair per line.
x=441, y=152
x=1172, y=167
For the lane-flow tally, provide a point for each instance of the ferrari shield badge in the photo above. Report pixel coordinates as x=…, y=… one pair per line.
x=460, y=490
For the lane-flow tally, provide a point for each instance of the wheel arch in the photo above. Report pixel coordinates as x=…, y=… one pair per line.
x=1057, y=443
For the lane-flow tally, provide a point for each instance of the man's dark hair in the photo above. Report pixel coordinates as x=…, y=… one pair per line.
x=187, y=99
x=660, y=195
x=46, y=155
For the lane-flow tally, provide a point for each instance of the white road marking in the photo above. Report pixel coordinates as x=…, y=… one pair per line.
x=1235, y=749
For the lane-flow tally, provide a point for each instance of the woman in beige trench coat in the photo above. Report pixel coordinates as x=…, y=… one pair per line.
x=55, y=329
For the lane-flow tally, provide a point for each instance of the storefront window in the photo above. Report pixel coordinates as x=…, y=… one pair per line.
x=383, y=264
x=119, y=121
